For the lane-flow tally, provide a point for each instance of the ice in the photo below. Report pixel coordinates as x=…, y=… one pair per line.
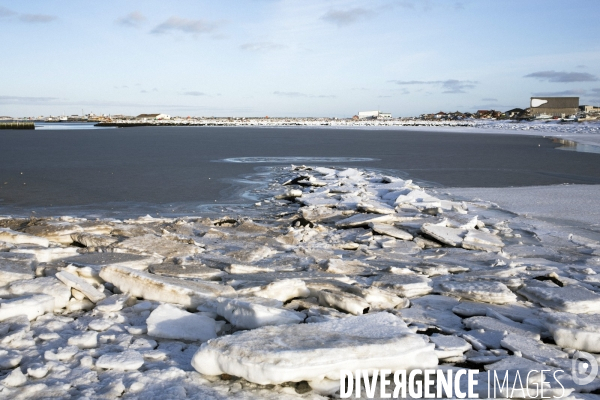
x=493, y=325
x=170, y=322
x=48, y=285
x=9, y=358
x=574, y=299
x=87, y=340
x=46, y=255
x=449, y=346
x=363, y=220
x=160, y=288
x=581, y=332
x=246, y=314
x=37, y=370
x=14, y=268
x=488, y=292
x=450, y=236
x=282, y=290
x=186, y=271
x=479, y=240
x=532, y=349
x=312, y=352
x=343, y=301
x=125, y=361
x=10, y=236
x=82, y=285
x=404, y=285
x=15, y=378
x=91, y=240
x=95, y=261
x=31, y=306
x=389, y=230
x=375, y=208
x=151, y=244
x=57, y=232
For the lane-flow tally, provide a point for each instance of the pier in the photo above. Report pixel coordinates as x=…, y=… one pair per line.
x=17, y=125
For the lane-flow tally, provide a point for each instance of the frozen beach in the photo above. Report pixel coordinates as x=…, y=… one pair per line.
x=321, y=268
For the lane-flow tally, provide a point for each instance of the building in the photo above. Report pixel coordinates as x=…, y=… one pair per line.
x=554, y=106
x=153, y=116
x=585, y=109
x=374, y=115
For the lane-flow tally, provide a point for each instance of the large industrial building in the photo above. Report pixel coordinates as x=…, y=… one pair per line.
x=554, y=106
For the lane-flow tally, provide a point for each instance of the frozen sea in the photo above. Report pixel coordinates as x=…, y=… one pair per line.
x=177, y=171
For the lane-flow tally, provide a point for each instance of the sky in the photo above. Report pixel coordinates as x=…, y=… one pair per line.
x=302, y=58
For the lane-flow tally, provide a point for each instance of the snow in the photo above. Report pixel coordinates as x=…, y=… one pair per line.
x=170, y=322
x=125, y=361
x=270, y=355
x=81, y=285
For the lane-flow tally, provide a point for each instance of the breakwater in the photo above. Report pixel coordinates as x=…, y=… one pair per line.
x=17, y=125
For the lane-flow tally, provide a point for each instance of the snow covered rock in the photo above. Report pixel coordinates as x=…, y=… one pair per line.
x=125, y=361
x=161, y=288
x=31, y=306
x=171, y=322
x=82, y=285
x=312, y=352
x=247, y=314
x=482, y=291
x=10, y=236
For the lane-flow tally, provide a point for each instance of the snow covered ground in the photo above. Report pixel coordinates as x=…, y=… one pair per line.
x=337, y=269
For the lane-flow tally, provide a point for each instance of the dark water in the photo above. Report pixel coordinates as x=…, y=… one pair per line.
x=55, y=171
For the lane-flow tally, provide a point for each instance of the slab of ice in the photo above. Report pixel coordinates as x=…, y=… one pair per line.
x=91, y=240
x=492, y=324
x=282, y=290
x=581, y=332
x=12, y=269
x=375, y=208
x=87, y=340
x=363, y=220
x=247, y=314
x=186, y=271
x=404, y=285
x=449, y=346
x=343, y=301
x=31, y=306
x=573, y=299
x=161, y=288
x=57, y=232
x=95, y=261
x=389, y=230
x=450, y=236
x=152, y=244
x=312, y=352
x=43, y=254
x=82, y=285
x=10, y=236
x=125, y=361
x=483, y=291
x=171, y=322
x=532, y=349
x=479, y=240
x=47, y=285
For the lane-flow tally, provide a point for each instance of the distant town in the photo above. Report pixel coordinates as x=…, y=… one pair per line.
x=541, y=108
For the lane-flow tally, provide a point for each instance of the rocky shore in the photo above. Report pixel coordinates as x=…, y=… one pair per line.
x=337, y=269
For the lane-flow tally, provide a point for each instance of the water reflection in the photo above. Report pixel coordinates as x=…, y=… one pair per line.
x=574, y=146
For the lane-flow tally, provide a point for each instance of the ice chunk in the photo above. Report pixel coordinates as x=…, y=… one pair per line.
x=450, y=236
x=10, y=236
x=43, y=254
x=31, y=306
x=15, y=378
x=347, y=267
x=186, y=271
x=483, y=291
x=363, y=220
x=125, y=361
x=389, y=230
x=9, y=358
x=82, y=285
x=531, y=348
x=282, y=290
x=96, y=261
x=581, y=332
x=47, y=285
x=170, y=322
x=161, y=288
x=573, y=299
x=492, y=324
x=58, y=232
x=449, y=346
x=404, y=285
x=375, y=208
x=152, y=244
x=14, y=268
x=343, y=301
x=311, y=352
x=37, y=370
x=244, y=314
x=479, y=240
x=87, y=340
x=91, y=240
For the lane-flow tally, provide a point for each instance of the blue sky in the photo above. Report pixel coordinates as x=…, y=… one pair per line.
x=294, y=58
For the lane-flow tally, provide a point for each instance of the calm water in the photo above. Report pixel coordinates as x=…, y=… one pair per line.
x=137, y=169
